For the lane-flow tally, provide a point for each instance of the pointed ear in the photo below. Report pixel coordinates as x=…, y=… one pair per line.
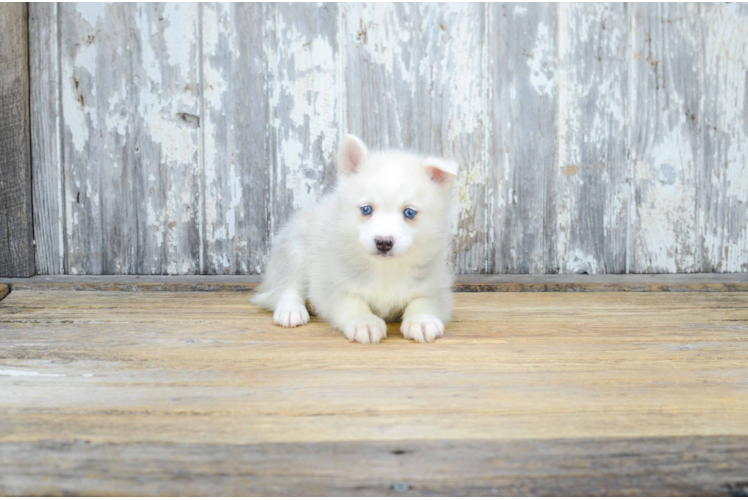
x=441, y=171
x=352, y=154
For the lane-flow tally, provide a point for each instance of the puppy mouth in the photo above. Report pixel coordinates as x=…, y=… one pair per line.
x=384, y=254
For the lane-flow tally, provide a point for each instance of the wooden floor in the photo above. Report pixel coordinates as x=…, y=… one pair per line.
x=529, y=394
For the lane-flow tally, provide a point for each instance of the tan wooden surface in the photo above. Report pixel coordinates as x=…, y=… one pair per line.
x=127, y=392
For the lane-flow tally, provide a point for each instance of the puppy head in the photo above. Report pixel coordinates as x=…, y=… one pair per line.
x=395, y=203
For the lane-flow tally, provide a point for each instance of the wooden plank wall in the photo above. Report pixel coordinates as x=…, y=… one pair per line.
x=16, y=227
x=593, y=138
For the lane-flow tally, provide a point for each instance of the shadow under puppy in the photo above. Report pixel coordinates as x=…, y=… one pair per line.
x=373, y=250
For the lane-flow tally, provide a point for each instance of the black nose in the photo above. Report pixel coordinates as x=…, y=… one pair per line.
x=384, y=244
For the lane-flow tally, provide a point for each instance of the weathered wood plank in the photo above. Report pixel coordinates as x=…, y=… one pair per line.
x=305, y=100
x=680, y=466
x=665, y=137
x=237, y=160
x=186, y=392
x=94, y=69
x=416, y=79
x=590, y=184
x=129, y=98
x=165, y=113
x=272, y=123
x=725, y=181
x=46, y=139
x=16, y=223
x=157, y=179
x=145, y=367
x=523, y=67
x=701, y=282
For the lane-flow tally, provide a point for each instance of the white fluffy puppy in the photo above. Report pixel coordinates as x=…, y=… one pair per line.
x=373, y=250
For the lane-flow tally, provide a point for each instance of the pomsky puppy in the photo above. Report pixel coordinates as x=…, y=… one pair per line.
x=373, y=250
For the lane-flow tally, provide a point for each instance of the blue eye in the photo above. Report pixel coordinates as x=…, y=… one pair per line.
x=409, y=213
x=366, y=210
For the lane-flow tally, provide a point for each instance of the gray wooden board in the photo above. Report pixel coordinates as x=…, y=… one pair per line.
x=665, y=136
x=598, y=138
x=236, y=149
x=523, y=66
x=653, y=466
x=725, y=180
x=305, y=95
x=46, y=146
x=703, y=282
x=589, y=183
x=130, y=138
x=16, y=226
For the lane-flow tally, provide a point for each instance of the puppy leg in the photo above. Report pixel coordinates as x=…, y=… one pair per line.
x=282, y=289
x=354, y=317
x=290, y=310
x=421, y=322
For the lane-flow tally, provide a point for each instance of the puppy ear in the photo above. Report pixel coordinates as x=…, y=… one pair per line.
x=352, y=154
x=441, y=171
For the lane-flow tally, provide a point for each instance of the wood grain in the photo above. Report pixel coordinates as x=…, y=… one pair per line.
x=665, y=109
x=603, y=138
x=129, y=99
x=725, y=180
x=702, y=282
x=16, y=223
x=523, y=63
x=305, y=98
x=97, y=167
x=46, y=138
x=688, y=466
x=237, y=157
x=590, y=185
x=188, y=392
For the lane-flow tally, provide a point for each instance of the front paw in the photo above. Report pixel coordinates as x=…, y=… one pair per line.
x=422, y=328
x=368, y=329
x=290, y=315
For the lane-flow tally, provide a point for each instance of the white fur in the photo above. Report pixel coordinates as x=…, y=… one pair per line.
x=327, y=258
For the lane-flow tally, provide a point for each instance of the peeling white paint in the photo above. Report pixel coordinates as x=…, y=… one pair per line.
x=386, y=36
x=411, y=51
x=92, y=12
x=22, y=373
x=80, y=115
x=577, y=262
x=726, y=59
x=590, y=124
x=665, y=232
x=304, y=83
x=542, y=62
x=215, y=88
x=181, y=19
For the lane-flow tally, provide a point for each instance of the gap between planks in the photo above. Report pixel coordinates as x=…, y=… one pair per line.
x=701, y=282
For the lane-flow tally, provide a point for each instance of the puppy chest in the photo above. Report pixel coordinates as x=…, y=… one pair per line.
x=387, y=299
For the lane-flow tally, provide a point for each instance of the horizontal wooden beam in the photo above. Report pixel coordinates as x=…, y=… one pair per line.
x=16, y=227
x=668, y=466
x=713, y=282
